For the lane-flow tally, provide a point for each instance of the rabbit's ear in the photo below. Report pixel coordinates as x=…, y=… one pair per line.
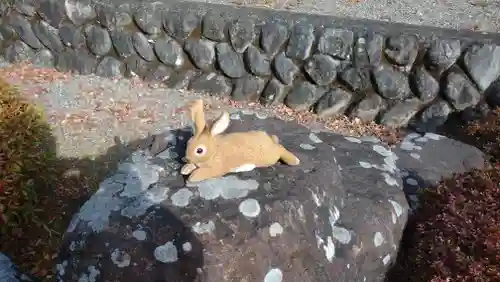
x=220, y=125
x=198, y=116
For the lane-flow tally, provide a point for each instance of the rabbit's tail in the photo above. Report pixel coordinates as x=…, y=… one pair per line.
x=287, y=157
x=275, y=139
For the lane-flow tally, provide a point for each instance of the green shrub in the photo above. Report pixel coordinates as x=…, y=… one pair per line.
x=25, y=155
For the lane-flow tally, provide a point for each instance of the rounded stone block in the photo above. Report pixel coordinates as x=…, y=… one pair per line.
x=274, y=57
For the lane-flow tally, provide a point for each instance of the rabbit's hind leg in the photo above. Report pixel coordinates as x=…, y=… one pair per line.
x=287, y=156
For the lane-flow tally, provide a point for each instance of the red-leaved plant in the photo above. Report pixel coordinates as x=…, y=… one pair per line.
x=455, y=234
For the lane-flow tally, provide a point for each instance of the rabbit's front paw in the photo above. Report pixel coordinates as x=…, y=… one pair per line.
x=187, y=169
x=201, y=174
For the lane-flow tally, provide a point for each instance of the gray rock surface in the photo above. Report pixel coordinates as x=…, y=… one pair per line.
x=241, y=34
x=9, y=272
x=98, y=40
x=333, y=103
x=211, y=83
x=337, y=43
x=248, y=88
x=202, y=52
x=301, y=41
x=368, y=108
x=230, y=61
x=145, y=224
x=274, y=92
x=303, y=96
x=285, y=68
x=402, y=49
x=400, y=114
x=322, y=69
x=442, y=54
x=426, y=86
x=258, y=63
x=357, y=78
x=426, y=159
x=433, y=116
x=391, y=84
x=213, y=27
x=273, y=35
x=180, y=24
x=461, y=92
x=148, y=18
x=169, y=52
x=483, y=64
x=142, y=46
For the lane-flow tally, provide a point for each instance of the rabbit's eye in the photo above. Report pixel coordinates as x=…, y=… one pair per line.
x=200, y=150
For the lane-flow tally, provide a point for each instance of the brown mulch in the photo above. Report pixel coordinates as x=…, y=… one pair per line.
x=34, y=247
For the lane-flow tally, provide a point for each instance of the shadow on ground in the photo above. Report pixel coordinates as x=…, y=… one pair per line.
x=61, y=187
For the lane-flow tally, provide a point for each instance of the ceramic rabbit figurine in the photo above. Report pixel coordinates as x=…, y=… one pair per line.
x=211, y=154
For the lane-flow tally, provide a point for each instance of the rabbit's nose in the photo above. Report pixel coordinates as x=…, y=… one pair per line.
x=184, y=159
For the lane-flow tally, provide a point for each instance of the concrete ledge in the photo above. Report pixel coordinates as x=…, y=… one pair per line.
x=395, y=74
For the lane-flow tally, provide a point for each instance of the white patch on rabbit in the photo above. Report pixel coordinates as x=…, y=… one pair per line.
x=243, y=168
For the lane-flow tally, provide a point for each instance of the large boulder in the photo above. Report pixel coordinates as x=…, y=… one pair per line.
x=425, y=159
x=338, y=216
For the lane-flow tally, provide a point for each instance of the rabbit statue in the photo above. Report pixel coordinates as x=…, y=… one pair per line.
x=211, y=154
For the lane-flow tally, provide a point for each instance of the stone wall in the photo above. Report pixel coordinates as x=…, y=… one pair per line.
x=391, y=73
